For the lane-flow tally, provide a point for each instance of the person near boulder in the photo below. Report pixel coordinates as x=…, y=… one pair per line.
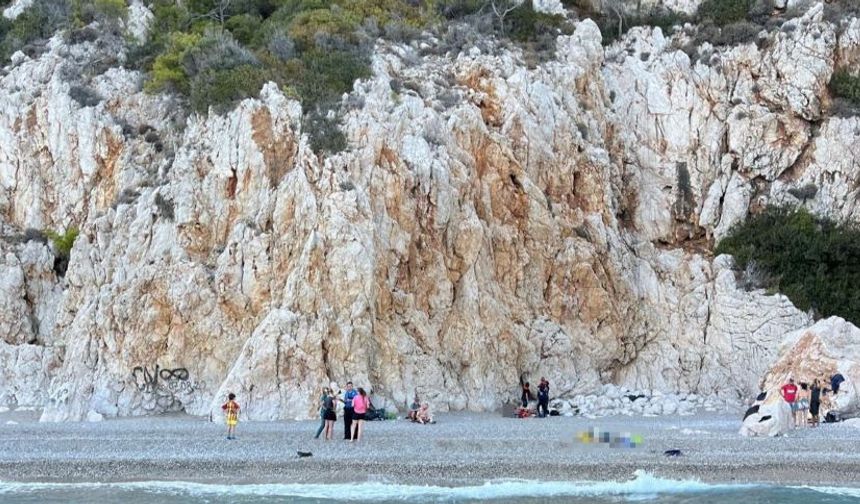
x=835, y=381
x=526, y=395
x=815, y=401
x=360, y=404
x=789, y=393
x=802, y=404
x=348, y=411
x=543, y=398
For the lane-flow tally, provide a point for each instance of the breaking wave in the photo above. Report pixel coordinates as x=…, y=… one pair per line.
x=642, y=486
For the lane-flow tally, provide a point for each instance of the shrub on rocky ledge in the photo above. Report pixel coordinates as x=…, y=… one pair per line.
x=847, y=86
x=723, y=12
x=812, y=260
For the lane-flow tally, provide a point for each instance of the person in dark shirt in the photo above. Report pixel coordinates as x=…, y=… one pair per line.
x=815, y=401
x=348, y=410
x=527, y=395
x=543, y=398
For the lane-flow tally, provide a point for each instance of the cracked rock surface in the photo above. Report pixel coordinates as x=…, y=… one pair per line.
x=491, y=222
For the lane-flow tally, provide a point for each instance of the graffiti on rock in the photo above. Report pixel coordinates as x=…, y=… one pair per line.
x=164, y=385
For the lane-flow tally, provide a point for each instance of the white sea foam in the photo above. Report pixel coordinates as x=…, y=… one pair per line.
x=839, y=491
x=642, y=486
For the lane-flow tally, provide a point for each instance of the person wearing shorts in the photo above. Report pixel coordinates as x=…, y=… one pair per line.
x=789, y=393
x=359, y=405
x=329, y=415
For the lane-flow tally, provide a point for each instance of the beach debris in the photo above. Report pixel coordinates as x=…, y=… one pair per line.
x=672, y=453
x=302, y=454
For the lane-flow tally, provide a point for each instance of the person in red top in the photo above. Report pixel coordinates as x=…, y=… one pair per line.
x=231, y=415
x=789, y=393
x=360, y=404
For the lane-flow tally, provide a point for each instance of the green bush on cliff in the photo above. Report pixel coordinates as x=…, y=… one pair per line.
x=847, y=86
x=723, y=12
x=812, y=260
x=63, y=243
x=37, y=22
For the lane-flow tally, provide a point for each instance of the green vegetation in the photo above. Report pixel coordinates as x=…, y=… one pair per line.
x=613, y=26
x=214, y=53
x=45, y=17
x=812, y=260
x=723, y=12
x=62, y=248
x=63, y=242
x=847, y=86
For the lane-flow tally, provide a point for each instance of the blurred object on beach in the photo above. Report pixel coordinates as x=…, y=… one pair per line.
x=614, y=439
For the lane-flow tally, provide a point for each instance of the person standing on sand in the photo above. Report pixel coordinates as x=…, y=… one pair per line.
x=329, y=415
x=789, y=393
x=803, y=404
x=231, y=415
x=543, y=398
x=360, y=404
x=322, y=412
x=815, y=401
x=348, y=411
x=527, y=395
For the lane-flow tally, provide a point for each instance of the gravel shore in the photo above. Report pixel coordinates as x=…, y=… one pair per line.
x=460, y=449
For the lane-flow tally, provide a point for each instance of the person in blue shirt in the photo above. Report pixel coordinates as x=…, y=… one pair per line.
x=348, y=411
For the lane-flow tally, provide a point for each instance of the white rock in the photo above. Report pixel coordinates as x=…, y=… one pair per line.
x=780, y=417
x=829, y=347
x=247, y=263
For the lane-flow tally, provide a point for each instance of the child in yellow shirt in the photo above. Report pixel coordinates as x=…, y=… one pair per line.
x=231, y=415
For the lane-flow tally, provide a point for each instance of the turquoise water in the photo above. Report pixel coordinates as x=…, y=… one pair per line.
x=644, y=488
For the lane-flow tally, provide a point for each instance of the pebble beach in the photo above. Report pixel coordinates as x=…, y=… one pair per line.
x=460, y=449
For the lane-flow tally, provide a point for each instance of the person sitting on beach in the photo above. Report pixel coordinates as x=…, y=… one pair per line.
x=231, y=415
x=424, y=416
x=789, y=393
x=413, y=408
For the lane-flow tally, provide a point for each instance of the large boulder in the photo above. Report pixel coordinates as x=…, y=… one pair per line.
x=769, y=416
x=829, y=347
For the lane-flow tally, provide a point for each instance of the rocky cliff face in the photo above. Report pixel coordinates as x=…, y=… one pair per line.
x=489, y=222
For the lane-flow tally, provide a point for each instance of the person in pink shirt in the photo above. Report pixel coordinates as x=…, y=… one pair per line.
x=360, y=404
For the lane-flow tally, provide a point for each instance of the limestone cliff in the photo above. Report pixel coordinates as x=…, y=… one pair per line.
x=489, y=221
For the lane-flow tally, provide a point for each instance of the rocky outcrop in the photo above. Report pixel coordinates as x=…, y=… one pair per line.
x=829, y=347
x=490, y=222
x=769, y=416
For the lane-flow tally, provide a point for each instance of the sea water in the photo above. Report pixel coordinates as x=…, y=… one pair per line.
x=643, y=487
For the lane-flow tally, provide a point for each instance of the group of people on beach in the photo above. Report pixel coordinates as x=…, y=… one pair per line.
x=356, y=404
x=807, y=400
x=542, y=399
x=419, y=412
